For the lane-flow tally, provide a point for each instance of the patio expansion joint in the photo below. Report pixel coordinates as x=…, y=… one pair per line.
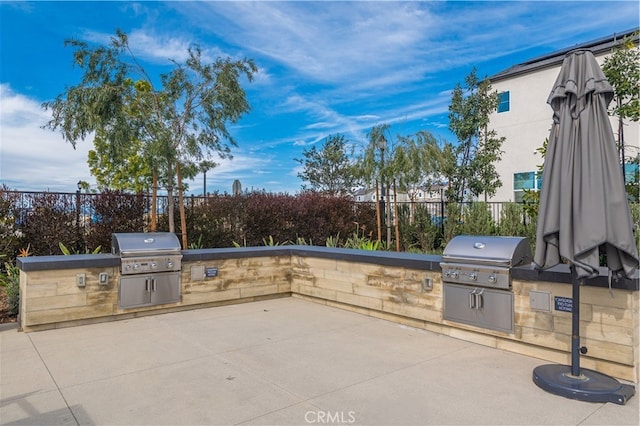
x=66, y=403
x=301, y=400
x=141, y=370
x=589, y=414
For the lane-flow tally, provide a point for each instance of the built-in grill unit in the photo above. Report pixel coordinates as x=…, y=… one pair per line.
x=150, y=265
x=476, y=276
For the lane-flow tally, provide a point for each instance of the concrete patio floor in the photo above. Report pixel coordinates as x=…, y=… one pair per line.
x=276, y=362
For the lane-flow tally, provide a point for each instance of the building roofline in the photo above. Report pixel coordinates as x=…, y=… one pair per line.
x=597, y=46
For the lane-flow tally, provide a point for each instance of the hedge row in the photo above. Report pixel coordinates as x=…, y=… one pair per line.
x=84, y=222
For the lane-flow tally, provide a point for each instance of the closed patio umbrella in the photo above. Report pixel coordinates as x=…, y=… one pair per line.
x=583, y=207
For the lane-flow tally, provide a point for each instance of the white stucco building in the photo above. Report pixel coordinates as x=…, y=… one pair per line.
x=524, y=118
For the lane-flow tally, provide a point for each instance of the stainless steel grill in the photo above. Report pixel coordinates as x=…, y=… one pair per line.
x=147, y=252
x=476, y=276
x=150, y=265
x=484, y=261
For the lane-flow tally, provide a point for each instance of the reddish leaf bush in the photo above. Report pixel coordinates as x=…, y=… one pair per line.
x=83, y=222
x=111, y=212
x=50, y=219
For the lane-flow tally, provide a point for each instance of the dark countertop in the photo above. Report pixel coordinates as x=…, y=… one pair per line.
x=559, y=274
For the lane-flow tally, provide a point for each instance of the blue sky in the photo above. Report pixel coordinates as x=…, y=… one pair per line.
x=325, y=68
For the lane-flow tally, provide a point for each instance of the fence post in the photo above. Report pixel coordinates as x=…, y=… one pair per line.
x=442, y=211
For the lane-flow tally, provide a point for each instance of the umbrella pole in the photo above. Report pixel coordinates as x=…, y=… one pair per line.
x=575, y=323
x=572, y=382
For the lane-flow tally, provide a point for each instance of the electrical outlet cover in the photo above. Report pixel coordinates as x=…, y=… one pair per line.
x=81, y=280
x=197, y=272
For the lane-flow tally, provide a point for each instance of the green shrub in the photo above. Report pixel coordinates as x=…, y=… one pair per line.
x=635, y=219
x=10, y=237
x=10, y=281
x=418, y=232
x=512, y=220
x=452, y=222
x=478, y=220
x=363, y=243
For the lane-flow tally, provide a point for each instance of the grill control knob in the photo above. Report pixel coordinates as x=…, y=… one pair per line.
x=127, y=267
x=473, y=276
x=136, y=266
x=447, y=274
x=154, y=265
x=492, y=278
x=454, y=274
x=169, y=264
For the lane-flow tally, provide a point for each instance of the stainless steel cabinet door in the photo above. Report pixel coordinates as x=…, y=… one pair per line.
x=134, y=291
x=165, y=288
x=480, y=307
x=146, y=290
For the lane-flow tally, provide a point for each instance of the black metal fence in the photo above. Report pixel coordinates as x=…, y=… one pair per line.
x=87, y=206
x=85, y=221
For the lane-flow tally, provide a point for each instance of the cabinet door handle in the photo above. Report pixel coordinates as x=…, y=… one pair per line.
x=153, y=284
x=472, y=299
x=480, y=299
x=146, y=285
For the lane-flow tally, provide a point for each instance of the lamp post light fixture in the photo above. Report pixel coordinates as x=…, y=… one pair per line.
x=385, y=207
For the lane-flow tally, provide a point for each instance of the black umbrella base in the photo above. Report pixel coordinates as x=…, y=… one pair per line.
x=590, y=386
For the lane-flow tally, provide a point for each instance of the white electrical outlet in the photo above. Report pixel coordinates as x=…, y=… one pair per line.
x=103, y=278
x=427, y=284
x=81, y=280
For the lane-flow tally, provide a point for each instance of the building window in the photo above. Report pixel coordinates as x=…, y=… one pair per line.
x=630, y=172
x=531, y=181
x=503, y=101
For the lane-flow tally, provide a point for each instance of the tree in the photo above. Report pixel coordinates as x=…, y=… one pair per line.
x=328, y=169
x=417, y=165
x=478, y=148
x=179, y=121
x=622, y=69
x=370, y=169
x=132, y=173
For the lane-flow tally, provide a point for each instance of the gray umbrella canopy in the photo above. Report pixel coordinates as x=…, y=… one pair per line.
x=583, y=203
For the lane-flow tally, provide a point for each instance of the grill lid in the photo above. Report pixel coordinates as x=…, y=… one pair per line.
x=144, y=243
x=479, y=249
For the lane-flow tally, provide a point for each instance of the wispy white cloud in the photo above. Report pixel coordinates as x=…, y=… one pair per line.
x=351, y=41
x=326, y=43
x=39, y=159
x=320, y=125
x=158, y=48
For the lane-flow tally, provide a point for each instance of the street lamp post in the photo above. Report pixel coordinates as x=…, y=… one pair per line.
x=382, y=144
x=204, y=190
x=78, y=205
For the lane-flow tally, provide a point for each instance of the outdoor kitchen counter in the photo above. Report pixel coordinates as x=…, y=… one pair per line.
x=76, y=261
x=401, y=287
x=557, y=274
